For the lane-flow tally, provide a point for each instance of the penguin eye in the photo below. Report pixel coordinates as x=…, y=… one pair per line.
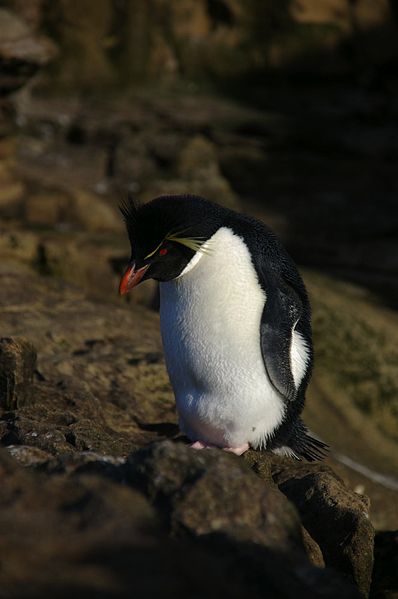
x=163, y=252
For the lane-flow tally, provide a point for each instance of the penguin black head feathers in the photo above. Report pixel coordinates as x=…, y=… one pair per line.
x=164, y=236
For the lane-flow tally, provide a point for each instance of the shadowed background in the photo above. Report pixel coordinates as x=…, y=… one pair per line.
x=284, y=109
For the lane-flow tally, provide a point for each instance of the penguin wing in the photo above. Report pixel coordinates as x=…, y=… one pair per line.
x=283, y=308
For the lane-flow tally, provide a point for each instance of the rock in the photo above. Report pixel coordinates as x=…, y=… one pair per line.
x=46, y=209
x=17, y=366
x=385, y=571
x=94, y=538
x=213, y=496
x=21, y=52
x=313, y=550
x=84, y=462
x=93, y=213
x=133, y=161
x=30, y=10
x=11, y=187
x=196, y=172
x=28, y=456
x=211, y=491
x=11, y=193
x=17, y=247
x=101, y=384
x=165, y=147
x=198, y=157
x=336, y=517
x=198, y=166
x=83, y=37
x=366, y=14
x=302, y=35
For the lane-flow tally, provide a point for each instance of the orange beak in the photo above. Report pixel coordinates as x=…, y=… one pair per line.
x=131, y=278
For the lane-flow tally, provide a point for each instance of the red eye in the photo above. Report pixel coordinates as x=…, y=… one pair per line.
x=163, y=252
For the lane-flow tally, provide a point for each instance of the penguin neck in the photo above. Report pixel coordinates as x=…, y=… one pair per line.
x=214, y=273
x=191, y=264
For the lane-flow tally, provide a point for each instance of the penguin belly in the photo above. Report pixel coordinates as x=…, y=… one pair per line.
x=210, y=324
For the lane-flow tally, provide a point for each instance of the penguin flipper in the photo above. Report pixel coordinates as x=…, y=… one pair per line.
x=282, y=311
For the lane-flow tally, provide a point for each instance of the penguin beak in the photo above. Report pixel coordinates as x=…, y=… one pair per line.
x=131, y=278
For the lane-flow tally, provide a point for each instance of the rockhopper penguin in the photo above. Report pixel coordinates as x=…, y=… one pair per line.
x=235, y=323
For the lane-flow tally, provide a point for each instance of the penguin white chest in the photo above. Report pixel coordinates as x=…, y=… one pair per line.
x=210, y=324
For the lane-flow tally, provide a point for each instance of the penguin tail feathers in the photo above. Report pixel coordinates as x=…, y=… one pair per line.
x=303, y=445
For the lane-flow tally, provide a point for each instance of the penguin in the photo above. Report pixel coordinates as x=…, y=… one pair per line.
x=235, y=323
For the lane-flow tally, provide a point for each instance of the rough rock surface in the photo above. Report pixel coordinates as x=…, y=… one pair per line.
x=101, y=382
x=216, y=498
x=17, y=366
x=230, y=532
x=101, y=393
x=21, y=52
x=317, y=493
x=88, y=536
x=215, y=40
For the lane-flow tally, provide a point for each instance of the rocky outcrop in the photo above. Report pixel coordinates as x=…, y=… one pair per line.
x=218, y=527
x=101, y=394
x=215, y=498
x=130, y=42
x=98, y=432
x=85, y=535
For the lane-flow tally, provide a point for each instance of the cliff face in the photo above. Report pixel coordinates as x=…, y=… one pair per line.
x=158, y=41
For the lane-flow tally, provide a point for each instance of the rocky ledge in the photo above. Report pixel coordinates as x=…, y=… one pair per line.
x=171, y=521
x=101, y=496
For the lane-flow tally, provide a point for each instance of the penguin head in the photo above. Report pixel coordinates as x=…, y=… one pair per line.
x=165, y=235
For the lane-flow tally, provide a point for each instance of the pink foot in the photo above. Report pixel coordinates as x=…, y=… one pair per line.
x=201, y=445
x=237, y=450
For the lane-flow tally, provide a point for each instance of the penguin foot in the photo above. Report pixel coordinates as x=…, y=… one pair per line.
x=201, y=445
x=237, y=450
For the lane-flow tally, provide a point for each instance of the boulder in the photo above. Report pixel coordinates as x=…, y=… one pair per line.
x=336, y=517
x=214, y=497
x=87, y=536
x=211, y=491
